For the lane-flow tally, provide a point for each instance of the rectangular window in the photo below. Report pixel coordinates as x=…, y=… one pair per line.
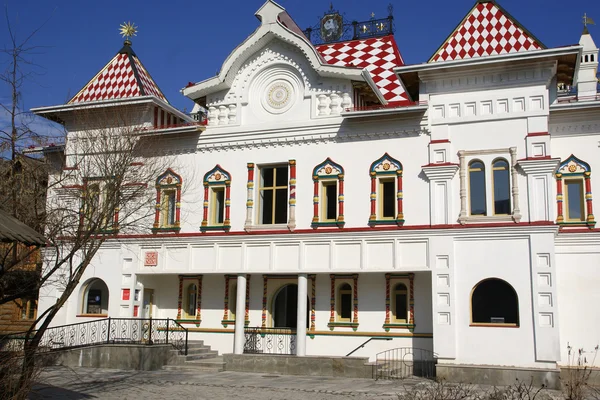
x=387, y=198
x=94, y=301
x=218, y=208
x=575, y=200
x=168, y=207
x=401, y=312
x=346, y=306
x=28, y=309
x=329, y=199
x=273, y=194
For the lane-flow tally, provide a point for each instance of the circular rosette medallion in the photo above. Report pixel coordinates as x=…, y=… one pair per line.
x=278, y=97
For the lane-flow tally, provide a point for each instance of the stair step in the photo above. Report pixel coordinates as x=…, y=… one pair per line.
x=210, y=354
x=199, y=350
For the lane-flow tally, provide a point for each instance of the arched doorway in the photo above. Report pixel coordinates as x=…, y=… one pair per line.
x=285, y=308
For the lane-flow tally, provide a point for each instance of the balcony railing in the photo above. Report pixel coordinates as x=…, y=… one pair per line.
x=106, y=331
x=390, y=106
x=269, y=341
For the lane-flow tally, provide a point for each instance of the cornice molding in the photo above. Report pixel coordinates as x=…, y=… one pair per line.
x=440, y=172
x=539, y=166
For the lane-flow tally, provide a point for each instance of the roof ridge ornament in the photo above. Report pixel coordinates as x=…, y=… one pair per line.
x=128, y=30
x=587, y=21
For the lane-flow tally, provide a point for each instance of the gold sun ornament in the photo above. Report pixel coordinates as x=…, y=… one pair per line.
x=128, y=30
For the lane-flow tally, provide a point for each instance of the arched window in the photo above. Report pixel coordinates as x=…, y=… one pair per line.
x=285, y=307
x=344, y=303
x=477, y=188
x=95, y=298
x=191, y=300
x=592, y=58
x=400, y=303
x=494, y=301
x=501, y=185
x=586, y=58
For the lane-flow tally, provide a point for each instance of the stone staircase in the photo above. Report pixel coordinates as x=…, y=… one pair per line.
x=200, y=358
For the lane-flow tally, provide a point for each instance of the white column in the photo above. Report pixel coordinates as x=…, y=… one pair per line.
x=240, y=315
x=302, y=313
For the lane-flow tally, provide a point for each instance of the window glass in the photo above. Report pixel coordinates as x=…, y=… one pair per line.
x=191, y=301
x=575, y=198
x=345, y=301
x=501, y=187
x=400, y=302
x=171, y=208
x=281, y=176
x=494, y=301
x=232, y=301
x=273, y=194
x=267, y=175
x=477, y=188
x=219, y=205
x=330, y=200
x=388, y=197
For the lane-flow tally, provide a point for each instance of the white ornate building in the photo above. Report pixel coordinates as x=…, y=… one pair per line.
x=446, y=205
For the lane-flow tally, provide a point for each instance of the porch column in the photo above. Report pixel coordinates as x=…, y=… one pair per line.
x=240, y=315
x=301, y=315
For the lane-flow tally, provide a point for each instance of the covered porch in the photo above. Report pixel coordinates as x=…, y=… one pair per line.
x=359, y=314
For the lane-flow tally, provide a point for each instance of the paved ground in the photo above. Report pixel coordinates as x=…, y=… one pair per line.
x=88, y=383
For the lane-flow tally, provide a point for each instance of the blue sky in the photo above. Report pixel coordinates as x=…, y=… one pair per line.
x=181, y=41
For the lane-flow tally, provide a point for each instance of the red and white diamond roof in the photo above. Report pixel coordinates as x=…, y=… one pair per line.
x=378, y=55
x=487, y=30
x=123, y=77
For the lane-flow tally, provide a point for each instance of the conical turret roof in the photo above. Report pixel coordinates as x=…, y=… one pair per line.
x=123, y=77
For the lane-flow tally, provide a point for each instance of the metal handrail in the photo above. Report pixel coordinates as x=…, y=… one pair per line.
x=365, y=343
x=144, y=331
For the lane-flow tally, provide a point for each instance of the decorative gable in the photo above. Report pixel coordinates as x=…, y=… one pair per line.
x=168, y=178
x=573, y=165
x=386, y=165
x=378, y=55
x=487, y=30
x=217, y=175
x=327, y=169
x=123, y=77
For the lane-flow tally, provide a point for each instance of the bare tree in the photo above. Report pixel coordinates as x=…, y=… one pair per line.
x=96, y=183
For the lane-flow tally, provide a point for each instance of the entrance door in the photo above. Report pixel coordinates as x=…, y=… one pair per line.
x=285, y=308
x=148, y=302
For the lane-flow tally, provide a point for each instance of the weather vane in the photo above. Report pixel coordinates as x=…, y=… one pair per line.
x=587, y=20
x=128, y=30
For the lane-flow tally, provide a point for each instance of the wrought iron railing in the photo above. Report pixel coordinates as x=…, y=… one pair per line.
x=106, y=331
x=269, y=341
x=405, y=362
x=352, y=30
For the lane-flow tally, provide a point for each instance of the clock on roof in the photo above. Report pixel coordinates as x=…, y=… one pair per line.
x=332, y=27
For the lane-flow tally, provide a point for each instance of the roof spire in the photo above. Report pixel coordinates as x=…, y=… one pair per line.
x=127, y=30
